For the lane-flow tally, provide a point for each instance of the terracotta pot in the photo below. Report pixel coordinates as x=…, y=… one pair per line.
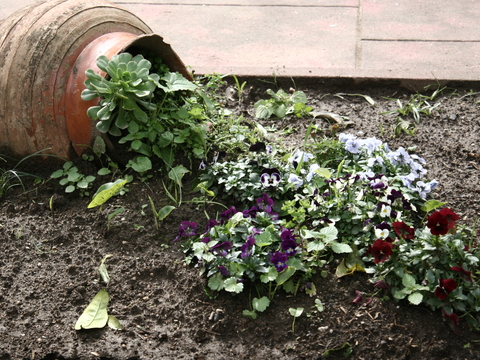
x=44, y=52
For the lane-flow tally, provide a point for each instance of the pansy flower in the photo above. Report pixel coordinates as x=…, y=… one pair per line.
x=289, y=243
x=223, y=270
x=452, y=321
x=222, y=248
x=227, y=214
x=467, y=275
x=440, y=222
x=270, y=178
x=251, y=213
x=295, y=180
x=445, y=288
x=258, y=147
x=247, y=248
x=300, y=156
x=381, y=250
x=403, y=230
x=210, y=224
x=279, y=259
x=265, y=203
x=186, y=228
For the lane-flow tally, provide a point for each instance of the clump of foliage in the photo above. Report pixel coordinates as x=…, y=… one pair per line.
x=154, y=114
x=282, y=104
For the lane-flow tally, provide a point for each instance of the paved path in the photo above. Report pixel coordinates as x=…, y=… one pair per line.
x=401, y=39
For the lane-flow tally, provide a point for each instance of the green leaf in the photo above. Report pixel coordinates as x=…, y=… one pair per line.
x=115, y=213
x=252, y=314
x=408, y=281
x=177, y=173
x=260, y=304
x=431, y=205
x=95, y=315
x=271, y=275
x=315, y=246
x=165, y=211
x=324, y=172
x=340, y=248
x=141, y=164
x=104, y=171
x=113, y=323
x=285, y=275
x=329, y=233
x=105, y=192
x=216, y=282
x=102, y=269
x=415, y=298
x=296, y=312
x=176, y=82
x=232, y=285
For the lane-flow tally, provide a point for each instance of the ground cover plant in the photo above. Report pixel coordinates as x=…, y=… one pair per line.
x=315, y=239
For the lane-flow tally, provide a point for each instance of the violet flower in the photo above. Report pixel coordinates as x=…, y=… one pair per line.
x=222, y=248
x=186, y=228
x=279, y=259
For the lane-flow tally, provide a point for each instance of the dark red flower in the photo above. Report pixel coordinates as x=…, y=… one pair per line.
x=467, y=275
x=358, y=297
x=440, y=222
x=450, y=216
x=403, y=230
x=381, y=284
x=445, y=288
x=452, y=321
x=381, y=250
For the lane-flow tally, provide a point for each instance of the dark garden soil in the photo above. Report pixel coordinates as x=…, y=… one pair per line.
x=48, y=259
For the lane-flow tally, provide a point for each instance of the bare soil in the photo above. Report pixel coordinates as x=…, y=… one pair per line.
x=48, y=259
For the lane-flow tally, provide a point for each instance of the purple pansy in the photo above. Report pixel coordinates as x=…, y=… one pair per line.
x=289, y=243
x=279, y=259
x=223, y=270
x=227, y=214
x=222, y=248
x=265, y=203
x=186, y=228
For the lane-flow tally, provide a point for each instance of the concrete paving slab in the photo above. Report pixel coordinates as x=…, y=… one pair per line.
x=422, y=59
x=301, y=3
x=264, y=40
x=421, y=20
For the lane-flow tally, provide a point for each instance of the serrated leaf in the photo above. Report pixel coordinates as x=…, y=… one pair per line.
x=408, y=281
x=176, y=82
x=415, y=298
x=329, y=233
x=315, y=245
x=216, y=283
x=95, y=315
x=232, y=285
x=260, y=304
x=271, y=275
